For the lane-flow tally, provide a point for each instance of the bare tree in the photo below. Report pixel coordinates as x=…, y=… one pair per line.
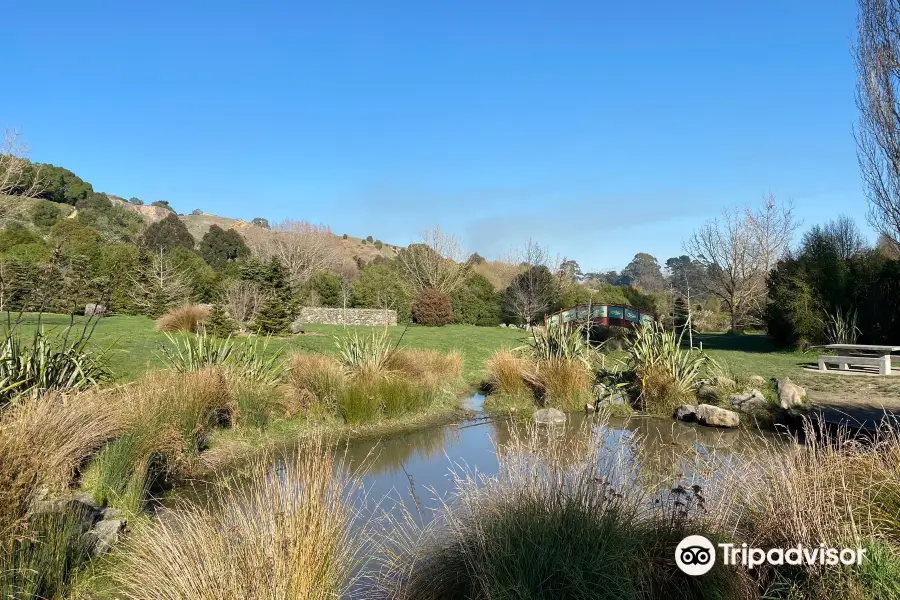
x=160, y=285
x=533, y=290
x=242, y=300
x=18, y=176
x=877, y=54
x=841, y=236
x=303, y=248
x=737, y=253
x=438, y=262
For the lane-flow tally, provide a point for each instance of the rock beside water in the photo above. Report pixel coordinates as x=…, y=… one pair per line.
x=749, y=401
x=713, y=416
x=549, y=416
x=790, y=394
x=686, y=413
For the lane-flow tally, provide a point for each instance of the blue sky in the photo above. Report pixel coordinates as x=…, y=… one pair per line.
x=601, y=129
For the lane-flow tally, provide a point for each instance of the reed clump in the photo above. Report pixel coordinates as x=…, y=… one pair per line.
x=282, y=533
x=188, y=319
x=369, y=380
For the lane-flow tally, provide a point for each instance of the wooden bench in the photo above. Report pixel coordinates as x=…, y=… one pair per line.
x=845, y=362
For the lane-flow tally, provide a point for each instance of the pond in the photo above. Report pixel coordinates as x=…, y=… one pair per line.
x=412, y=472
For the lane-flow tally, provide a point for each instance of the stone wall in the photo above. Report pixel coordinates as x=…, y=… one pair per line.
x=348, y=316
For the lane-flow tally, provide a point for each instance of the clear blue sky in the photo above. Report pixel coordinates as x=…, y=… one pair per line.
x=600, y=128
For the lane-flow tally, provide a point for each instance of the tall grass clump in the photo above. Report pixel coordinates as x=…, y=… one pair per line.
x=555, y=368
x=250, y=359
x=168, y=420
x=833, y=489
x=369, y=380
x=553, y=523
x=39, y=561
x=664, y=373
x=285, y=533
x=44, y=442
x=40, y=364
x=188, y=319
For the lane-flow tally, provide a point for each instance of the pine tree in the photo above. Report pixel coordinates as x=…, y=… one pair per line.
x=219, y=323
x=277, y=311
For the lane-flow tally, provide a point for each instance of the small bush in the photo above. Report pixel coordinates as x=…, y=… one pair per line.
x=369, y=239
x=289, y=535
x=379, y=244
x=219, y=322
x=432, y=308
x=562, y=384
x=42, y=364
x=505, y=370
x=316, y=379
x=345, y=236
x=365, y=356
x=185, y=318
x=249, y=359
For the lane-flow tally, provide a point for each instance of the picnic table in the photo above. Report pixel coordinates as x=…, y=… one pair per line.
x=861, y=355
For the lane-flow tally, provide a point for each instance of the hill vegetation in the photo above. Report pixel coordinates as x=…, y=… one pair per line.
x=137, y=257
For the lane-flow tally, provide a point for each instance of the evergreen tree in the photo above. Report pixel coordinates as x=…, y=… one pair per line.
x=219, y=322
x=277, y=311
x=220, y=247
x=168, y=234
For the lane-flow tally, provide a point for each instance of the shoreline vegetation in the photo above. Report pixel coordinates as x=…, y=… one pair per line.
x=224, y=406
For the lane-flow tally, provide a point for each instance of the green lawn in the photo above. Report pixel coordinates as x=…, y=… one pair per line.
x=134, y=347
x=134, y=344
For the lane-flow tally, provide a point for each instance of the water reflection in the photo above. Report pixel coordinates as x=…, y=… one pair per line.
x=415, y=470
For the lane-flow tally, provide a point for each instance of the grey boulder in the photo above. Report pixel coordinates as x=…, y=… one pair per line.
x=790, y=394
x=713, y=416
x=749, y=401
x=549, y=416
x=686, y=412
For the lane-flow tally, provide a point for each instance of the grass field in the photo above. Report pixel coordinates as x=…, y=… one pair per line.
x=134, y=344
x=134, y=349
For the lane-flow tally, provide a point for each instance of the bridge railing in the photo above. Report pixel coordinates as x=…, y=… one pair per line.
x=621, y=315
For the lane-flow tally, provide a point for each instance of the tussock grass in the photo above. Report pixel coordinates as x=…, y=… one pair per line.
x=188, y=319
x=555, y=369
x=404, y=381
x=44, y=441
x=38, y=562
x=167, y=418
x=287, y=534
x=554, y=523
x=505, y=370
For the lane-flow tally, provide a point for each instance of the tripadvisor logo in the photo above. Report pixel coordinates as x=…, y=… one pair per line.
x=696, y=555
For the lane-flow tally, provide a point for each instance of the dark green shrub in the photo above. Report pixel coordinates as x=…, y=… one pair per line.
x=344, y=236
x=432, y=308
x=369, y=239
x=477, y=303
x=219, y=323
x=220, y=247
x=168, y=234
x=378, y=244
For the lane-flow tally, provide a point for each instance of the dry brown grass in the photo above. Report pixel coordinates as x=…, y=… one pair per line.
x=505, y=370
x=315, y=379
x=563, y=383
x=427, y=366
x=288, y=535
x=185, y=318
x=43, y=443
